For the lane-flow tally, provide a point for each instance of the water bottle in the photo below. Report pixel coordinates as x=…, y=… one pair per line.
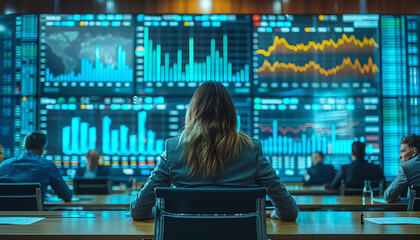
x=367, y=193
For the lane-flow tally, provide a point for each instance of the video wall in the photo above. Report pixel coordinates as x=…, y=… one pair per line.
x=121, y=83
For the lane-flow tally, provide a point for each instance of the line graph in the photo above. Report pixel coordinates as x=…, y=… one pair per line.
x=291, y=132
x=343, y=44
x=308, y=56
x=346, y=67
x=303, y=128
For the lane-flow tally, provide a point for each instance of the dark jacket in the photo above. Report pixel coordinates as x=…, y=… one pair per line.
x=29, y=167
x=249, y=168
x=320, y=174
x=101, y=171
x=356, y=173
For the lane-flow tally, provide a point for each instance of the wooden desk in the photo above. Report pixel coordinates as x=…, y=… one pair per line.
x=346, y=225
x=118, y=225
x=304, y=202
x=345, y=203
x=297, y=188
x=95, y=201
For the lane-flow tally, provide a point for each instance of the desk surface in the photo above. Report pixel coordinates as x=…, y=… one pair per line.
x=304, y=202
x=118, y=225
x=297, y=188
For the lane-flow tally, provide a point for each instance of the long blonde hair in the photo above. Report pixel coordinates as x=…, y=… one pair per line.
x=210, y=138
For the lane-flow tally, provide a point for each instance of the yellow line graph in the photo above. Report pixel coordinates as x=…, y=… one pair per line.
x=346, y=65
x=281, y=45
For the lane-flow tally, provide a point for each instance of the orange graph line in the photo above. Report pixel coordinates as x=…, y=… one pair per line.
x=308, y=125
x=341, y=42
x=346, y=64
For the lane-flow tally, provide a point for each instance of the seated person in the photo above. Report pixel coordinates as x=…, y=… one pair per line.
x=1, y=154
x=210, y=152
x=30, y=166
x=93, y=169
x=408, y=171
x=319, y=173
x=358, y=171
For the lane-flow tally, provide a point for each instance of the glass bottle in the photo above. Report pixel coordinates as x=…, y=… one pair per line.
x=367, y=193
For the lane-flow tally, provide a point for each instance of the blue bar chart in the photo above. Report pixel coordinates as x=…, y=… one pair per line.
x=291, y=129
x=126, y=132
x=86, y=54
x=324, y=141
x=120, y=142
x=216, y=66
x=191, y=50
x=98, y=73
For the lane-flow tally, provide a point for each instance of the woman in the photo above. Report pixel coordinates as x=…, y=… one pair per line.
x=211, y=152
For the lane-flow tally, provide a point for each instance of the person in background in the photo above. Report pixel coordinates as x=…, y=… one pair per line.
x=93, y=169
x=408, y=171
x=319, y=173
x=211, y=152
x=30, y=166
x=1, y=154
x=358, y=171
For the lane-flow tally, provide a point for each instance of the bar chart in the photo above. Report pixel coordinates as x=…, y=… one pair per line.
x=79, y=138
x=127, y=132
x=216, y=66
x=291, y=129
x=324, y=141
x=86, y=54
x=181, y=52
x=97, y=72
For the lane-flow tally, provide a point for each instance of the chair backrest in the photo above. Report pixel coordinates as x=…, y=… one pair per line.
x=356, y=188
x=92, y=186
x=20, y=197
x=414, y=199
x=210, y=213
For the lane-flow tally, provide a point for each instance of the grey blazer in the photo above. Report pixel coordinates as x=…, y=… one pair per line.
x=250, y=167
x=408, y=174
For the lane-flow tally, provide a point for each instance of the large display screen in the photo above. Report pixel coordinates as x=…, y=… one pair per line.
x=86, y=54
x=291, y=129
x=177, y=52
x=120, y=84
x=18, y=58
x=128, y=132
x=316, y=55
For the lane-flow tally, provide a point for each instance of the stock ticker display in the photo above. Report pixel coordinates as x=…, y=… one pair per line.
x=291, y=129
x=128, y=132
x=121, y=83
x=18, y=58
x=400, y=56
x=17, y=118
x=180, y=51
x=89, y=54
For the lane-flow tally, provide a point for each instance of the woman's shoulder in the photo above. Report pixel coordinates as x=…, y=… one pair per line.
x=255, y=146
x=172, y=143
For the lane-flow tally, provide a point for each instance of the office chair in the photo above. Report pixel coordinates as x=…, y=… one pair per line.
x=92, y=186
x=414, y=199
x=20, y=197
x=356, y=188
x=210, y=213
